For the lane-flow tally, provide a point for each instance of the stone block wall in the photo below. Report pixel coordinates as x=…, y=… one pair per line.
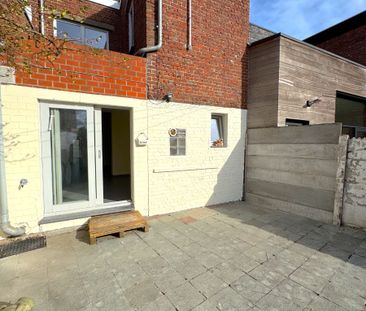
x=354, y=202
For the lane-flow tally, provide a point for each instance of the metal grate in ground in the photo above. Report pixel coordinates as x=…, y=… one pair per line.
x=14, y=246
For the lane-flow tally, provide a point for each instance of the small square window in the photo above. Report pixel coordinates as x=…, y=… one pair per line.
x=217, y=131
x=178, y=143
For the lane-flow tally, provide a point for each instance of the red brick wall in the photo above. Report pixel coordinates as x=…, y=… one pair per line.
x=118, y=38
x=351, y=45
x=81, y=69
x=214, y=72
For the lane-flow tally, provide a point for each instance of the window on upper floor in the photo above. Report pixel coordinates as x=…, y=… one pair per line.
x=82, y=34
x=218, y=130
x=116, y=4
x=131, y=27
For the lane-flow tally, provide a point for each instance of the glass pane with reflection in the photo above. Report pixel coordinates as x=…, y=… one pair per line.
x=69, y=150
x=96, y=38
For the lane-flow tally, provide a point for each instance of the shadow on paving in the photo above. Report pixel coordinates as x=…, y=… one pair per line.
x=228, y=257
x=308, y=235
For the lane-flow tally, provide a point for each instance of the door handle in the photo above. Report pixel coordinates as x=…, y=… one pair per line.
x=99, y=154
x=50, y=122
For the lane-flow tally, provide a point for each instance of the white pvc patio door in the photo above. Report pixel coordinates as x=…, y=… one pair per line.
x=68, y=158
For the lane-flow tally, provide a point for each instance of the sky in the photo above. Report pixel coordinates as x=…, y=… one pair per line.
x=302, y=18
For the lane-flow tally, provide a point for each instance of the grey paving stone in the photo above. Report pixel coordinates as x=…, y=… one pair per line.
x=130, y=276
x=8, y=269
x=160, y=304
x=272, y=302
x=38, y=292
x=208, y=259
x=302, y=250
x=175, y=256
x=280, y=266
x=355, y=283
x=185, y=297
x=258, y=254
x=168, y=279
x=250, y=238
x=244, y=262
x=193, y=249
x=225, y=300
x=154, y=266
x=189, y=268
x=320, y=269
x=361, y=251
x=309, y=280
x=208, y=284
x=250, y=288
x=358, y=261
x=67, y=295
x=343, y=297
x=111, y=300
x=227, y=272
x=333, y=250
x=294, y=292
x=322, y=304
x=226, y=251
x=142, y=293
x=98, y=289
x=266, y=276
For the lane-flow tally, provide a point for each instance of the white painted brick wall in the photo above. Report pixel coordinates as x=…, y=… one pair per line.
x=205, y=176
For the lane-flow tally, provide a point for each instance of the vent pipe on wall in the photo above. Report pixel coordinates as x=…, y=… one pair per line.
x=157, y=47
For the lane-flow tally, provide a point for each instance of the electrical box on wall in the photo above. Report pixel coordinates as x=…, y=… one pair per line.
x=142, y=139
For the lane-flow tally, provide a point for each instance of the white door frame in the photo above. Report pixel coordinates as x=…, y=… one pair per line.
x=99, y=158
x=95, y=162
x=49, y=207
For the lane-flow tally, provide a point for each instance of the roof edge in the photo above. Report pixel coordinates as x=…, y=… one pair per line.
x=280, y=34
x=338, y=29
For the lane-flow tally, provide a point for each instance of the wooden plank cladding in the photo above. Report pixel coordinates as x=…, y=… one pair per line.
x=285, y=73
x=294, y=169
x=316, y=134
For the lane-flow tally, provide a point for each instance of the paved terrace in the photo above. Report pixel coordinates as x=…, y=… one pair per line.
x=230, y=257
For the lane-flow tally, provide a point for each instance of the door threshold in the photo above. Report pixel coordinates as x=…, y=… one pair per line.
x=85, y=214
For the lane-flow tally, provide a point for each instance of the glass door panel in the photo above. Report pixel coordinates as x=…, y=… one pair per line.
x=68, y=158
x=69, y=153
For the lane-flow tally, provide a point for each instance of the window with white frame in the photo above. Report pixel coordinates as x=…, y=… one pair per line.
x=217, y=130
x=82, y=34
x=116, y=4
x=131, y=27
x=177, y=142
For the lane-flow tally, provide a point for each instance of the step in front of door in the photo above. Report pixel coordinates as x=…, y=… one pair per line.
x=116, y=223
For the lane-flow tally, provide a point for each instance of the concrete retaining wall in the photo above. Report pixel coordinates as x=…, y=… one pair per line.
x=294, y=169
x=354, y=201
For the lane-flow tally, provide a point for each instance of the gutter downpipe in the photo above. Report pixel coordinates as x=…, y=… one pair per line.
x=155, y=48
x=189, y=46
x=41, y=6
x=5, y=223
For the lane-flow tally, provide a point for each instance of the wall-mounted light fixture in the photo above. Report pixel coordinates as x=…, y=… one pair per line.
x=168, y=97
x=311, y=102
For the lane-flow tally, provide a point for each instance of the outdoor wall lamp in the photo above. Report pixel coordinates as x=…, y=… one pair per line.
x=311, y=102
x=168, y=97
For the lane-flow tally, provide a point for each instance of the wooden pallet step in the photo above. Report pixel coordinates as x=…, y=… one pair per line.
x=117, y=223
